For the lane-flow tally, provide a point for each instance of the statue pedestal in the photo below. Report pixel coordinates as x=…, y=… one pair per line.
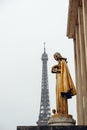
x=61, y=121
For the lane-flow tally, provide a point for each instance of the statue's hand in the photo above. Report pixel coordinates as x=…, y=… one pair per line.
x=54, y=69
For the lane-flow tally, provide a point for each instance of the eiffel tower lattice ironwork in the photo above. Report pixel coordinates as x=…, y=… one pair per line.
x=44, y=113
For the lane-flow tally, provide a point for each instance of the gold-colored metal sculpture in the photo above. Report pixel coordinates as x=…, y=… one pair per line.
x=65, y=88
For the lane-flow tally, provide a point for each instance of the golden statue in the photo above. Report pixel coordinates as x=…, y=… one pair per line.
x=65, y=88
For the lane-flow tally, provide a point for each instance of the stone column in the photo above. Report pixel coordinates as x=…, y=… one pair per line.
x=83, y=63
x=79, y=80
x=84, y=7
x=76, y=77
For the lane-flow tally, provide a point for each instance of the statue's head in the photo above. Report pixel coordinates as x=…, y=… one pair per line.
x=57, y=56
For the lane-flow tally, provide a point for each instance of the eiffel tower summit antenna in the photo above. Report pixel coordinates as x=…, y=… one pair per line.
x=44, y=46
x=44, y=113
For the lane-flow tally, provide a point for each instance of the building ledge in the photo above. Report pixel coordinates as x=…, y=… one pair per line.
x=52, y=128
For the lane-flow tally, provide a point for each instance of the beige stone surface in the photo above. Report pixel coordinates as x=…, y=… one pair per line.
x=77, y=30
x=62, y=121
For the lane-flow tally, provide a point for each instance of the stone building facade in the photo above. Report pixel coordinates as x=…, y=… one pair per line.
x=77, y=30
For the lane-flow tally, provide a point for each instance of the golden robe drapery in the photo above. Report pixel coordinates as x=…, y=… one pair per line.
x=65, y=88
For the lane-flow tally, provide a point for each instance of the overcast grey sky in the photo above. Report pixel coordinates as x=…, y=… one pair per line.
x=24, y=26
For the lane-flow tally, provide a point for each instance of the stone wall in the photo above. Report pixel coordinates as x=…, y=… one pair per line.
x=77, y=30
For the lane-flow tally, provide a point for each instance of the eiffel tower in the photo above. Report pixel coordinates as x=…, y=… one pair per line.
x=44, y=113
